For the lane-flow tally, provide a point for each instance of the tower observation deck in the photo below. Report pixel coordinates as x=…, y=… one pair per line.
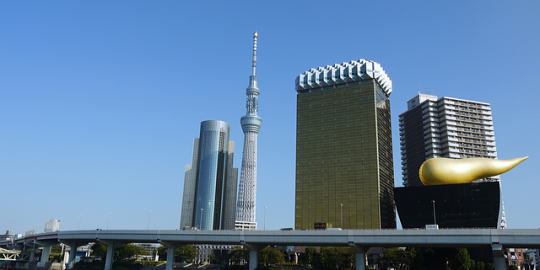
x=251, y=124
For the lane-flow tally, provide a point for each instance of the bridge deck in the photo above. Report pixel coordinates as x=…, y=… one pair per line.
x=443, y=237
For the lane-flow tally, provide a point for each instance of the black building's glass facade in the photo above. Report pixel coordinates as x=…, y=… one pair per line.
x=474, y=205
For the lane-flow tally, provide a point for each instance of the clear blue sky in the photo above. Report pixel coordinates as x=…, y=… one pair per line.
x=100, y=100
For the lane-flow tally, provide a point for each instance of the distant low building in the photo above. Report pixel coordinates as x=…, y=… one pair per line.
x=6, y=236
x=515, y=256
x=151, y=250
x=52, y=225
x=532, y=259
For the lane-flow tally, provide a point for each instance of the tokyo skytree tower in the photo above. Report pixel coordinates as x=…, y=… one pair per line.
x=251, y=124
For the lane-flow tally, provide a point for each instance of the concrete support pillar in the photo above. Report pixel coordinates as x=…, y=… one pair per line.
x=45, y=252
x=32, y=256
x=72, y=255
x=65, y=258
x=498, y=257
x=253, y=258
x=110, y=256
x=360, y=258
x=170, y=258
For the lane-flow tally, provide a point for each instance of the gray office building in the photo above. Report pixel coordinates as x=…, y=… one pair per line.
x=444, y=127
x=210, y=183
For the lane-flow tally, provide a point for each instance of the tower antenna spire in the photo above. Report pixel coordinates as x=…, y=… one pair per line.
x=254, y=56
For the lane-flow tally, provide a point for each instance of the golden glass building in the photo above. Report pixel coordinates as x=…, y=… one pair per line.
x=344, y=165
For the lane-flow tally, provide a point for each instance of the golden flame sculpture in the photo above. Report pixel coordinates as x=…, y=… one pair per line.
x=444, y=171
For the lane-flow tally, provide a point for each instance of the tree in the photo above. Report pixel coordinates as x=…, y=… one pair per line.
x=328, y=258
x=238, y=256
x=99, y=250
x=308, y=257
x=270, y=255
x=428, y=258
x=395, y=258
x=461, y=260
x=56, y=249
x=122, y=252
x=335, y=258
x=444, y=258
x=126, y=252
x=56, y=254
x=185, y=253
x=162, y=251
x=479, y=266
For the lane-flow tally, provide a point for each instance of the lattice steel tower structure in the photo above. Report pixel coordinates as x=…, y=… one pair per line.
x=251, y=124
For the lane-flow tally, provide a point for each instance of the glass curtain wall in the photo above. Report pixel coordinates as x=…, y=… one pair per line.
x=213, y=144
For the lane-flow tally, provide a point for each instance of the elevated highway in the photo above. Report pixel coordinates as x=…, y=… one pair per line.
x=360, y=240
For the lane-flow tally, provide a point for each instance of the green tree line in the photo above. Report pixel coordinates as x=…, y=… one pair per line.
x=324, y=258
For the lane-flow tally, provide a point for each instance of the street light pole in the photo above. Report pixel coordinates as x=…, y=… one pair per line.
x=264, y=219
x=434, y=213
x=148, y=213
x=201, y=219
x=341, y=214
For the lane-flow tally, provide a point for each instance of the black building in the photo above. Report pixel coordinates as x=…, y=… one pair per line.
x=473, y=205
